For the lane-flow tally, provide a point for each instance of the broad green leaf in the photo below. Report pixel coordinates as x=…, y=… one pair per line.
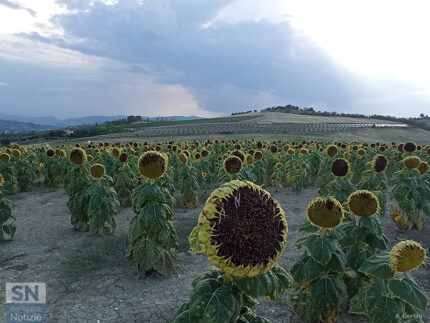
x=327, y=293
x=321, y=249
x=356, y=257
x=373, y=224
x=410, y=292
x=385, y=310
x=337, y=261
x=272, y=283
x=306, y=269
x=378, y=266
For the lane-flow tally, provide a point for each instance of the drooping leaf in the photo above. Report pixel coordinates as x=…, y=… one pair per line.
x=306, y=269
x=378, y=266
x=410, y=292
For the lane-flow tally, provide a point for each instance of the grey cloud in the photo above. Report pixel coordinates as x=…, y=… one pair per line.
x=13, y=5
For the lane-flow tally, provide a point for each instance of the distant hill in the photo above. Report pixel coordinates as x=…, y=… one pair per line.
x=8, y=126
x=54, y=122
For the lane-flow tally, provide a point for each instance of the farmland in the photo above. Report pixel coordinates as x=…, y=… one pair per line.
x=116, y=230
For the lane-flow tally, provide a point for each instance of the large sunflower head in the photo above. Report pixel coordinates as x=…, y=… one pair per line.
x=4, y=157
x=340, y=167
x=363, y=203
x=423, y=167
x=325, y=212
x=412, y=162
x=152, y=164
x=242, y=229
x=97, y=171
x=78, y=156
x=407, y=255
x=379, y=163
x=15, y=153
x=232, y=165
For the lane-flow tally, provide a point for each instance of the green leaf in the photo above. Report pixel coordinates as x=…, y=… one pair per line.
x=327, y=293
x=385, y=310
x=308, y=227
x=306, y=269
x=212, y=302
x=410, y=292
x=356, y=257
x=357, y=304
x=321, y=249
x=337, y=262
x=378, y=266
x=272, y=283
x=373, y=224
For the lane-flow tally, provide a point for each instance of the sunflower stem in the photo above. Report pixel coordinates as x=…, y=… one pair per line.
x=228, y=279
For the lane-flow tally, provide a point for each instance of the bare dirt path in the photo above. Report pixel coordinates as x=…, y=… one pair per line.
x=88, y=278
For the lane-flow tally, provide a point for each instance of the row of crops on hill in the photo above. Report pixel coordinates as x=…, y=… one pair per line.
x=243, y=128
x=346, y=266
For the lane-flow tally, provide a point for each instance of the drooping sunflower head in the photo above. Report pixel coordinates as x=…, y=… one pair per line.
x=123, y=158
x=97, y=171
x=152, y=164
x=90, y=158
x=116, y=152
x=291, y=152
x=340, y=167
x=325, y=212
x=297, y=166
x=331, y=150
x=50, y=152
x=258, y=155
x=361, y=152
x=363, y=203
x=232, y=165
x=78, y=156
x=412, y=162
x=379, y=163
x=423, y=167
x=304, y=151
x=242, y=229
x=4, y=157
x=249, y=160
x=278, y=165
x=183, y=158
x=407, y=255
x=409, y=147
x=240, y=154
x=15, y=153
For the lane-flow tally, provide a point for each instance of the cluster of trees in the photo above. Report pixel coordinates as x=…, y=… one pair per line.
x=244, y=112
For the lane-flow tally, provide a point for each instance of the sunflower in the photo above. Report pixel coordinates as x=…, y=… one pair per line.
x=363, y=203
x=41, y=165
x=340, y=167
x=407, y=255
x=304, y=287
x=249, y=160
x=204, y=174
x=273, y=149
x=258, y=155
x=152, y=164
x=242, y=229
x=97, y=171
x=331, y=150
x=232, y=165
x=78, y=156
x=325, y=212
x=240, y=154
x=361, y=152
x=90, y=158
x=278, y=165
x=50, y=152
x=183, y=158
x=4, y=157
x=423, y=167
x=116, y=152
x=123, y=157
x=15, y=153
x=412, y=162
x=409, y=147
x=379, y=163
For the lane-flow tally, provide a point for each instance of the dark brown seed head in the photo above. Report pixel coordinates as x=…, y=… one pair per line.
x=340, y=167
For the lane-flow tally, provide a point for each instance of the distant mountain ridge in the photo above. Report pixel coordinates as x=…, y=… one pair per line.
x=12, y=123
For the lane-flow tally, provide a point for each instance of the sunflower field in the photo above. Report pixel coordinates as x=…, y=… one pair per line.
x=347, y=263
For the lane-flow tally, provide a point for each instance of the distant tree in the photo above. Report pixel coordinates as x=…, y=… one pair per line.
x=5, y=141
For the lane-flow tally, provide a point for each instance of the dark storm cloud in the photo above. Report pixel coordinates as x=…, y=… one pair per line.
x=252, y=59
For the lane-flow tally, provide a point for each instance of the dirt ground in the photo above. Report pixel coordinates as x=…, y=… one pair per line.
x=89, y=280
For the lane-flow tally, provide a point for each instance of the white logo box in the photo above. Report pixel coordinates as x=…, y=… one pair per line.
x=25, y=293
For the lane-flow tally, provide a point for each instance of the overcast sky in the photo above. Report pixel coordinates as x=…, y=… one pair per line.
x=70, y=58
